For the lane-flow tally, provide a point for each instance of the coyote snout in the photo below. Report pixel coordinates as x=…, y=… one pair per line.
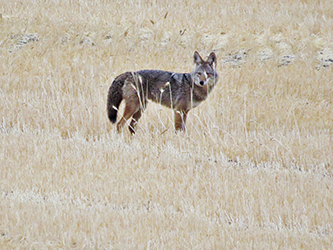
x=178, y=91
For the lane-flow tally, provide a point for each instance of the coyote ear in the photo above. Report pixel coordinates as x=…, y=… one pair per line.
x=212, y=59
x=197, y=58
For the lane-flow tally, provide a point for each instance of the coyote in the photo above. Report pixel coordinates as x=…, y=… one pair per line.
x=178, y=91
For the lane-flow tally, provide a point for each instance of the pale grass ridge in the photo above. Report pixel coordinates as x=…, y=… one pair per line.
x=253, y=171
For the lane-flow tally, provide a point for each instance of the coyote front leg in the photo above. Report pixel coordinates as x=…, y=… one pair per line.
x=180, y=120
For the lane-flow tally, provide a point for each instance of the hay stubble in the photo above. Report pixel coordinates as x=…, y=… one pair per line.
x=253, y=171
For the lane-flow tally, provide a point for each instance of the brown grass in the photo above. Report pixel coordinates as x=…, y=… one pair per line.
x=254, y=171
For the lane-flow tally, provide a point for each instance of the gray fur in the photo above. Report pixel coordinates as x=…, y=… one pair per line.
x=178, y=91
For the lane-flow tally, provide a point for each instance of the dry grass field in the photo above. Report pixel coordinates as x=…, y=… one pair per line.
x=253, y=171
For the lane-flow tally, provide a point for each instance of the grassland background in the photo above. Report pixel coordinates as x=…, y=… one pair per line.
x=254, y=170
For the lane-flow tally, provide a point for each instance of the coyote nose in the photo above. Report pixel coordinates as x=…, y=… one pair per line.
x=202, y=82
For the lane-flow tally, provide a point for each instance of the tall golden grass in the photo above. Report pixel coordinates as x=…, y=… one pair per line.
x=253, y=171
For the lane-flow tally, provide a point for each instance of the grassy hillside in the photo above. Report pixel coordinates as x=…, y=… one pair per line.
x=253, y=171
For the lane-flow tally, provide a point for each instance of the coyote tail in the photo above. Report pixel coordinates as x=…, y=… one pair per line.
x=115, y=96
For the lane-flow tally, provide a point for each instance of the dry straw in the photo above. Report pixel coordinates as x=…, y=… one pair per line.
x=253, y=171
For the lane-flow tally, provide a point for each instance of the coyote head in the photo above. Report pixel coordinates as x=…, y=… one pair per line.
x=204, y=73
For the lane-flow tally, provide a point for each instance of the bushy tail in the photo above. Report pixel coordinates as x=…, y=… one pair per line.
x=115, y=96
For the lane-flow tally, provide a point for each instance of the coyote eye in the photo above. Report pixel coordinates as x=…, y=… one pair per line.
x=199, y=74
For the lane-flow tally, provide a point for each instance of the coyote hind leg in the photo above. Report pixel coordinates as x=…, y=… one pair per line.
x=134, y=121
x=130, y=110
x=137, y=116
